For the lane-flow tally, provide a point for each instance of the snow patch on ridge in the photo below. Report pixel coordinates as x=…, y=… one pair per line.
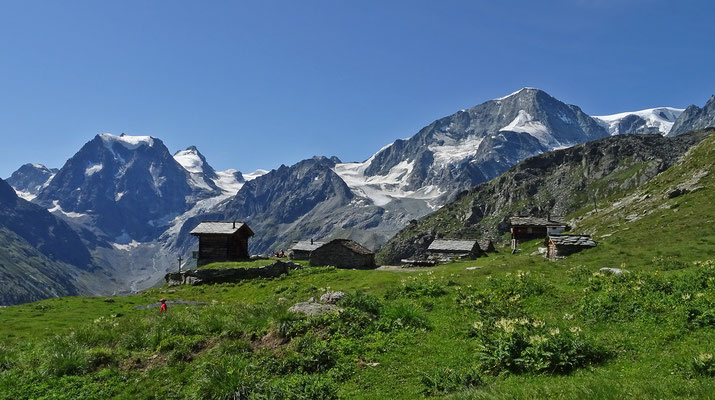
x=382, y=189
x=93, y=169
x=452, y=150
x=515, y=93
x=255, y=174
x=227, y=181
x=524, y=122
x=129, y=142
x=190, y=160
x=662, y=118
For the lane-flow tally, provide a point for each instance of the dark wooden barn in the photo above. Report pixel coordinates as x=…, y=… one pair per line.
x=530, y=228
x=301, y=250
x=558, y=246
x=222, y=241
x=454, y=248
x=343, y=253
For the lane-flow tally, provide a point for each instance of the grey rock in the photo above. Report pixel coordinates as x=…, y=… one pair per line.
x=614, y=271
x=331, y=297
x=694, y=118
x=312, y=309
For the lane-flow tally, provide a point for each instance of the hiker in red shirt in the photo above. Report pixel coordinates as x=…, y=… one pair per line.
x=163, y=305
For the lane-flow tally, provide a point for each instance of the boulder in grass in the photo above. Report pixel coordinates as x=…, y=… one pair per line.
x=331, y=297
x=312, y=308
x=614, y=271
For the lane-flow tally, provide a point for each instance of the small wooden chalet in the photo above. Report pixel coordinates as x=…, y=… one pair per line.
x=558, y=246
x=343, y=253
x=300, y=250
x=529, y=228
x=454, y=248
x=222, y=241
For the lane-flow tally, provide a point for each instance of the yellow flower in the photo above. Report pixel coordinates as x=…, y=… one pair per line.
x=575, y=329
x=554, y=332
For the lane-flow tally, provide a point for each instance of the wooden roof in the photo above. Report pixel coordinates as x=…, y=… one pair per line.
x=452, y=245
x=572, y=240
x=351, y=245
x=220, y=228
x=305, y=245
x=537, y=221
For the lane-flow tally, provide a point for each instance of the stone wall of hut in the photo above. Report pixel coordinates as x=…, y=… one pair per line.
x=341, y=257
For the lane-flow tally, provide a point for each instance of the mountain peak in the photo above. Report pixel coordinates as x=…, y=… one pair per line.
x=193, y=161
x=129, y=142
x=530, y=90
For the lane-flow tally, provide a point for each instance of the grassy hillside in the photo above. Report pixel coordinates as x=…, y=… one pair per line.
x=557, y=183
x=511, y=326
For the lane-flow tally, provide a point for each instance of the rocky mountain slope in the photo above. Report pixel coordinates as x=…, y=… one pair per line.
x=695, y=117
x=555, y=183
x=41, y=255
x=29, y=179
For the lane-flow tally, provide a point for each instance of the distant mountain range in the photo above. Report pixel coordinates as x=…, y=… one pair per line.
x=132, y=203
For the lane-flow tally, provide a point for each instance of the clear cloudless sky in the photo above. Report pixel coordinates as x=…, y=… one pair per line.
x=256, y=84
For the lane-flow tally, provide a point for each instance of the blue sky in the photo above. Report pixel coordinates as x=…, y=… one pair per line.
x=257, y=84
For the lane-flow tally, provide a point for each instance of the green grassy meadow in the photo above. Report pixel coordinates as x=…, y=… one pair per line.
x=510, y=326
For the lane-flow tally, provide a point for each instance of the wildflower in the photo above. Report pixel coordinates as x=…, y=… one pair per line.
x=536, y=339
x=575, y=329
x=568, y=316
x=703, y=357
x=514, y=298
x=507, y=325
x=478, y=325
x=458, y=288
x=554, y=332
x=523, y=321
x=537, y=323
x=699, y=295
x=685, y=297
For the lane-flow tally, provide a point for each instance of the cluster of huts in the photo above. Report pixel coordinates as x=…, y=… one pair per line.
x=228, y=241
x=551, y=229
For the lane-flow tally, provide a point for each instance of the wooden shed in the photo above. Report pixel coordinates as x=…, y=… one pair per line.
x=300, y=250
x=454, y=248
x=222, y=241
x=529, y=228
x=558, y=246
x=343, y=253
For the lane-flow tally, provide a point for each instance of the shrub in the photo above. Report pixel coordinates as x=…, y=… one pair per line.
x=7, y=358
x=704, y=365
x=446, y=380
x=289, y=324
x=402, y=314
x=528, y=345
x=64, y=356
x=362, y=301
x=421, y=285
x=227, y=378
x=304, y=387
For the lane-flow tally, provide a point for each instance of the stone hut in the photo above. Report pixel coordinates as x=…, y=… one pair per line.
x=343, y=253
x=222, y=241
x=559, y=246
x=300, y=250
x=529, y=228
x=454, y=248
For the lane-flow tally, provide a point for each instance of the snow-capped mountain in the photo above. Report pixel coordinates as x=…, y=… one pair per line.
x=695, y=117
x=29, y=179
x=134, y=204
x=469, y=147
x=128, y=187
x=650, y=121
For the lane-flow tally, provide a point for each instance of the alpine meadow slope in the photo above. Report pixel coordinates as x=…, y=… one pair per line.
x=499, y=327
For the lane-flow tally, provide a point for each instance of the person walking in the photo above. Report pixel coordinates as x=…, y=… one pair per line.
x=163, y=305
